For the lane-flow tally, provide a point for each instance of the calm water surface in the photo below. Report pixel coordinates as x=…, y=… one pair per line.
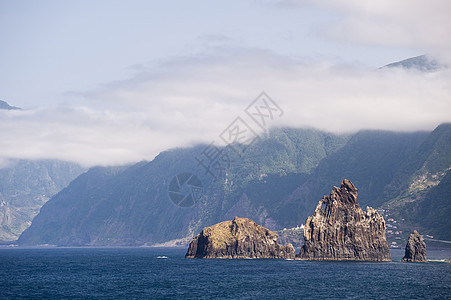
x=139, y=273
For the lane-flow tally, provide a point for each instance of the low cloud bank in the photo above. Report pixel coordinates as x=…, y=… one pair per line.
x=189, y=100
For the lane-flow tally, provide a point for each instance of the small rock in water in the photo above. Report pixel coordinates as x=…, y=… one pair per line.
x=415, y=249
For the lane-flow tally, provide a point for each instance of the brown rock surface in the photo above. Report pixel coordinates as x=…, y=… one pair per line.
x=415, y=248
x=340, y=230
x=239, y=238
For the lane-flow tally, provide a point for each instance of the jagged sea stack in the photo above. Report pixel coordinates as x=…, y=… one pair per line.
x=340, y=230
x=239, y=238
x=415, y=248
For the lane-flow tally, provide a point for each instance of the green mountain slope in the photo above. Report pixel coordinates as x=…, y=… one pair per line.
x=277, y=182
x=369, y=159
x=417, y=193
x=132, y=207
x=425, y=166
x=432, y=213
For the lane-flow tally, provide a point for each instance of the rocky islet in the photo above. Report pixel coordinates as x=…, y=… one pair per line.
x=340, y=230
x=239, y=238
x=415, y=249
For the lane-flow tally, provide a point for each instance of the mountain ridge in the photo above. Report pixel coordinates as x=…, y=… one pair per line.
x=131, y=207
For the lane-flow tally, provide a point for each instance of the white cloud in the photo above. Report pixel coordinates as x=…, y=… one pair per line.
x=190, y=100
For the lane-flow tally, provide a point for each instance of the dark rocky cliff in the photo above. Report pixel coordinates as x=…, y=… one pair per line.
x=340, y=230
x=239, y=238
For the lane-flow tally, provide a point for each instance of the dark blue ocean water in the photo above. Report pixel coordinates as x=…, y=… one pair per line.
x=138, y=273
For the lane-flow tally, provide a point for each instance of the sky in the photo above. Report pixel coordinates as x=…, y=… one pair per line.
x=114, y=82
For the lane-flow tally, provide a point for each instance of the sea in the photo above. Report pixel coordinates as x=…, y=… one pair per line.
x=164, y=273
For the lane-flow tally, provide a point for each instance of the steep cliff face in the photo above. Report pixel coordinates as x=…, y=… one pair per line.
x=25, y=186
x=239, y=238
x=415, y=248
x=340, y=230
